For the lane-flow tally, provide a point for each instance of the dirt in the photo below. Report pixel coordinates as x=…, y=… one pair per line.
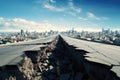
x=56, y=61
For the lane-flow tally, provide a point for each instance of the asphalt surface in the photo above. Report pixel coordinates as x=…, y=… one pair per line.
x=11, y=53
x=99, y=53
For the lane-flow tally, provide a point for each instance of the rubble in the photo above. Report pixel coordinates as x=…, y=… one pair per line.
x=57, y=61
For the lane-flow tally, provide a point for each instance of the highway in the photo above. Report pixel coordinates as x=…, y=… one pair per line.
x=9, y=52
x=90, y=59
x=97, y=52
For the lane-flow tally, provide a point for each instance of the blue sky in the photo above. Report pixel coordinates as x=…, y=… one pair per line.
x=43, y=15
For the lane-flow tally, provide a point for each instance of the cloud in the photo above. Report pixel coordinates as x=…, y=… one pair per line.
x=20, y=23
x=104, y=18
x=48, y=4
x=7, y=24
x=81, y=18
x=16, y=24
x=72, y=13
x=73, y=8
x=88, y=29
x=68, y=7
x=1, y=19
x=53, y=1
x=92, y=16
x=53, y=8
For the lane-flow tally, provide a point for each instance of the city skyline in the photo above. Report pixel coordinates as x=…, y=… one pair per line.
x=61, y=15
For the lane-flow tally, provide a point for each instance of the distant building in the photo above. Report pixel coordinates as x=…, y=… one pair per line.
x=108, y=31
x=22, y=32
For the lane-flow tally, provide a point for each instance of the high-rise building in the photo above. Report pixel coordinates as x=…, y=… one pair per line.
x=22, y=32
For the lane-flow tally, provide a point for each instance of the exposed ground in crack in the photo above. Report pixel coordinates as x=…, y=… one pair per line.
x=56, y=61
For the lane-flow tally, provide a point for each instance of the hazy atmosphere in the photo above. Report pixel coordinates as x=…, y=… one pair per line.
x=61, y=15
x=59, y=39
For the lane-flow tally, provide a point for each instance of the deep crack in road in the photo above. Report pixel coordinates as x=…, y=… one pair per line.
x=56, y=61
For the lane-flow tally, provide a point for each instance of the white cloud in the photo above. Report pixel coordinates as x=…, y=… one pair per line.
x=88, y=29
x=1, y=19
x=81, y=18
x=72, y=13
x=31, y=25
x=45, y=21
x=7, y=24
x=73, y=8
x=15, y=24
x=70, y=8
x=104, y=18
x=53, y=8
x=53, y=1
x=92, y=16
x=48, y=4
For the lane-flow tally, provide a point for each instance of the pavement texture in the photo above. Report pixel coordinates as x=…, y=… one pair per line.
x=60, y=58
